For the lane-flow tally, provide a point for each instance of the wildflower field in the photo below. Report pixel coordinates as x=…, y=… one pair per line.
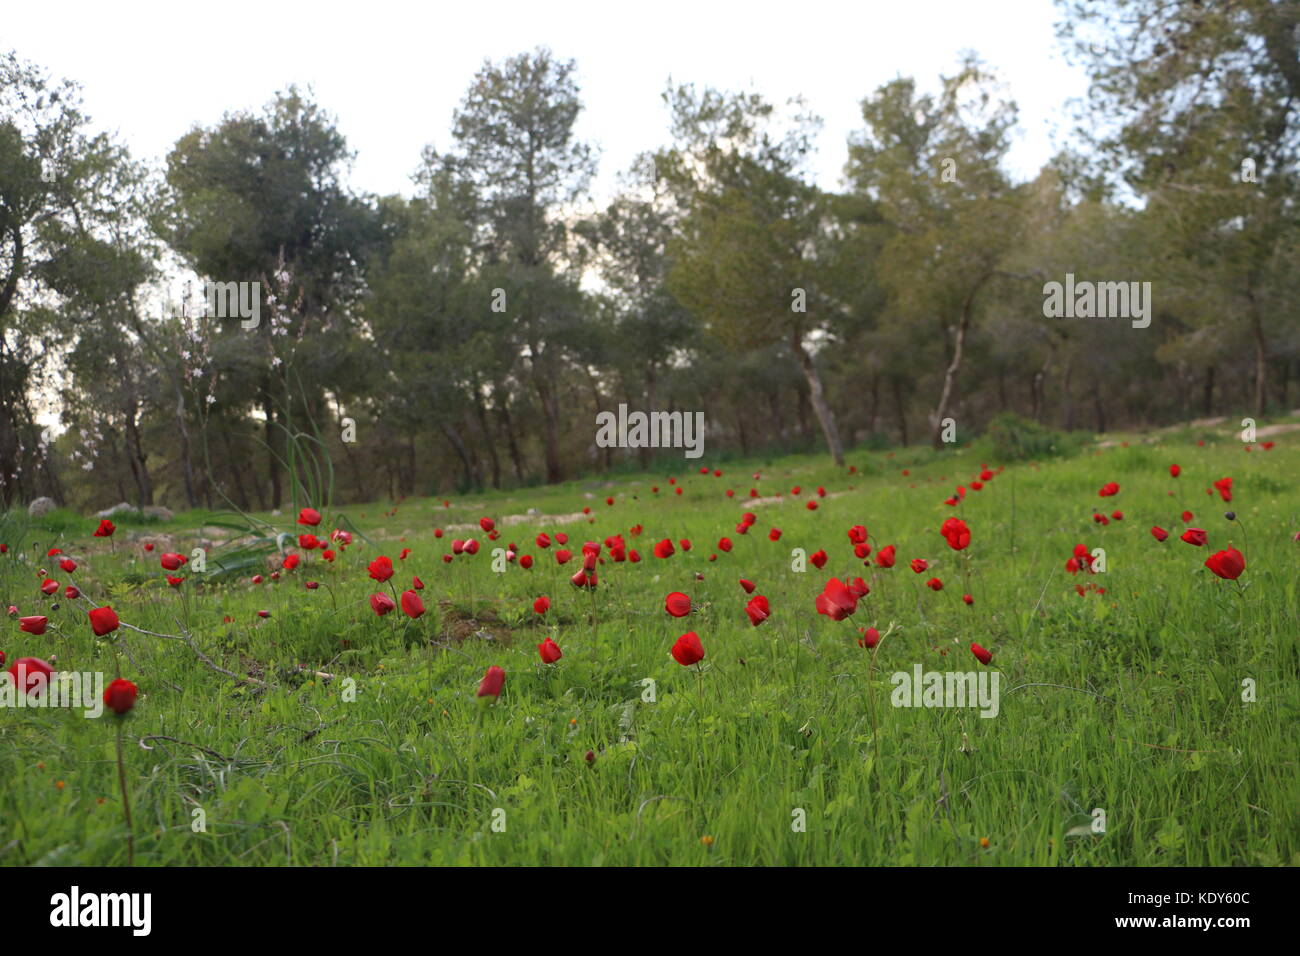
x=367, y=686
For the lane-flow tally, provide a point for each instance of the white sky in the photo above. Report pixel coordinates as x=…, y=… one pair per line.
x=392, y=72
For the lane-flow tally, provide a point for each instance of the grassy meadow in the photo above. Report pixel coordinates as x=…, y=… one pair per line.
x=344, y=737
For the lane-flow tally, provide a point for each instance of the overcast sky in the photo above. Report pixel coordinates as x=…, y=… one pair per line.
x=393, y=72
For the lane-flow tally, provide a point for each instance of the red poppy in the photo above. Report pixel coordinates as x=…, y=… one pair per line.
x=1195, y=536
x=1108, y=489
x=105, y=529
x=492, y=682
x=526, y=561
x=291, y=561
x=677, y=604
x=584, y=579
x=688, y=650
x=857, y=534
x=819, y=559
x=920, y=565
x=103, y=620
x=1227, y=564
x=934, y=584
x=747, y=585
x=49, y=586
x=71, y=592
x=1224, y=486
x=724, y=544
x=664, y=549
x=858, y=588
x=34, y=624
x=549, y=651
x=543, y=540
x=1159, y=533
x=416, y=582
x=774, y=534
x=381, y=603
x=412, y=606
x=563, y=555
x=309, y=516
x=812, y=505
x=758, y=609
x=173, y=581
x=980, y=653
x=381, y=569
x=1175, y=471
x=542, y=605
x=68, y=565
x=885, y=556
x=869, y=639
x=970, y=601
x=119, y=696
x=171, y=561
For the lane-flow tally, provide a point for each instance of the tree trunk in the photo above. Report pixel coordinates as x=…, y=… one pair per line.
x=471, y=469
x=136, y=458
x=1208, y=392
x=550, y=417
x=232, y=462
x=494, y=460
x=1261, y=358
x=512, y=443
x=900, y=410
x=817, y=396
x=1099, y=409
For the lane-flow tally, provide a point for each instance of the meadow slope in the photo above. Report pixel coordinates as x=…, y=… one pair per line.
x=349, y=738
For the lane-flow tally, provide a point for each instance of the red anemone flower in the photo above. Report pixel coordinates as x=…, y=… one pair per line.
x=1227, y=564
x=677, y=604
x=688, y=650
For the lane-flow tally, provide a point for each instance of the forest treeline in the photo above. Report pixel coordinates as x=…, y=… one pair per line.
x=468, y=335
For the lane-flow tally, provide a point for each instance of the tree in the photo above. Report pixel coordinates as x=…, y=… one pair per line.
x=260, y=198
x=1201, y=103
x=58, y=183
x=751, y=251
x=514, y=142
x=933, y=166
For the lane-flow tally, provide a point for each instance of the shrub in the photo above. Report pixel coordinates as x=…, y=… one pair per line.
x=1015, y=439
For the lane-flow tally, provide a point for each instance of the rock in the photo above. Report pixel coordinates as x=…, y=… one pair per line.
x=159, y=512
x=41, y=507
x=117, y=509
x=533, y=511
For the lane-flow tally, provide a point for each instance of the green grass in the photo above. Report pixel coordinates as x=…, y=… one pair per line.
x=1146, y=720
